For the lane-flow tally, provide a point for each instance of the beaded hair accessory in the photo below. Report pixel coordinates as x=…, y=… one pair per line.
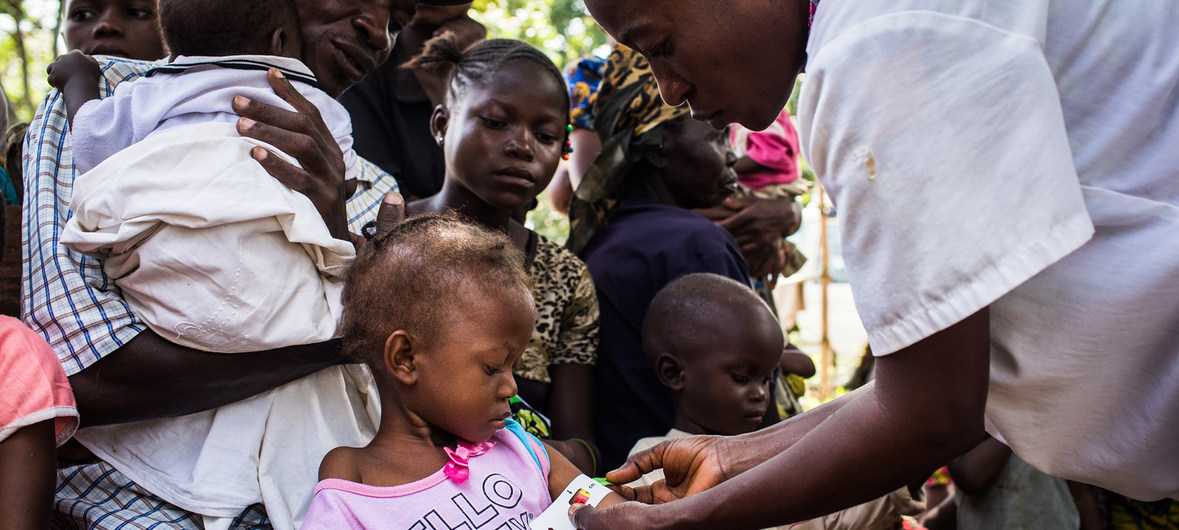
x=568, y=146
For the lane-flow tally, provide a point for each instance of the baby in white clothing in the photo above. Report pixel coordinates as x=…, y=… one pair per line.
x=214, y=253
x=169, y=196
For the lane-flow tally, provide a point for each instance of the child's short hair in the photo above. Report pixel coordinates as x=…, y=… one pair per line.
x=464, y=68
x=410, y=277
x=688, y=304
x=223, y=27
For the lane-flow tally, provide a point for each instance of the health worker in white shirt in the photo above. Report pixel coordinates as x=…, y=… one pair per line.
x=1006, y=174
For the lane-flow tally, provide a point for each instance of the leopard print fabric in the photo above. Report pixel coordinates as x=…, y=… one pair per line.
x=566, y=313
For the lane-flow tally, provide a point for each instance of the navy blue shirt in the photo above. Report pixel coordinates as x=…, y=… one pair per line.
x=644, y=246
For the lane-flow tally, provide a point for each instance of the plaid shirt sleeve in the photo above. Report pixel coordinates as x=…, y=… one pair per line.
x=66, y=295
x=374, y=184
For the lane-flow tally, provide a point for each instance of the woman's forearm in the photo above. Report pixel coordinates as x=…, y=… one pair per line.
x=925, y=408
x=750, y=450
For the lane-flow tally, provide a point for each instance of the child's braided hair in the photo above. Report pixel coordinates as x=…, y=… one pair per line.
x=465, y=68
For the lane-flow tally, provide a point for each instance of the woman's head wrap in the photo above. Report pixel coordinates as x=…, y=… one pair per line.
x=628, y=117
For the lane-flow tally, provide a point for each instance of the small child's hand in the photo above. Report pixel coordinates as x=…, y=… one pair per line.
x=73, y=66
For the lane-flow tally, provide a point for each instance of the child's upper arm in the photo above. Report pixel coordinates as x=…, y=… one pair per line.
x=340, y=463
x=562, y=472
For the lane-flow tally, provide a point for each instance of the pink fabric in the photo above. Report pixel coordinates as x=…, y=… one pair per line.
x=458, y=469
x=505, y=489
x=33, y=386
x=776, y=148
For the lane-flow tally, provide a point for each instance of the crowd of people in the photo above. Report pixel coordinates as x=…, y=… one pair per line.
x=230, y=318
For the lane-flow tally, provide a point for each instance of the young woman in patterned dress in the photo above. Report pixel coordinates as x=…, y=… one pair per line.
x=503, y=129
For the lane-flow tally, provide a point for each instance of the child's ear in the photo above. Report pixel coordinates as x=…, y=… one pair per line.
x=398, y=357
x=439, y=121
x=278, y=42
x=670, y=371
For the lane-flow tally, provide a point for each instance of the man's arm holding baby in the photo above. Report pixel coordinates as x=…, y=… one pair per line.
x=76, y=76
x=149, y=377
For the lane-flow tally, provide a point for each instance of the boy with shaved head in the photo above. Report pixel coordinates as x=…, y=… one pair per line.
x=715, y=344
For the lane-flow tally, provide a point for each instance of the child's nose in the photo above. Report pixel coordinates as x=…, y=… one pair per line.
x=760, y=393
x=520, y=145
x=508, y=389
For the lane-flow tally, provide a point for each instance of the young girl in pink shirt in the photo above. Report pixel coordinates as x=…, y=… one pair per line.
x=37, y=413
x=440, y=310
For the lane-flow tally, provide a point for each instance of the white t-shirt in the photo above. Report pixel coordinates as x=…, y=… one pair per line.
x=1022, y=154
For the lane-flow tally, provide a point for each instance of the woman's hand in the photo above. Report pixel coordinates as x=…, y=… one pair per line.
x=690, y=465
x=757, y=225
x=303, y=135
x=622, y=515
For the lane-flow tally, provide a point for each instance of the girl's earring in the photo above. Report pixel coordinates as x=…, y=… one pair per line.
x=439, y=139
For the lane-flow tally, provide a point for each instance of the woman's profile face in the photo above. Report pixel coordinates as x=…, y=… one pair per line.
x=698, y=170
x=732, y=62
x=120, y=28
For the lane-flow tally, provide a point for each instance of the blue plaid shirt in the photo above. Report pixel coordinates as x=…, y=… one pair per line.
x=65, y=295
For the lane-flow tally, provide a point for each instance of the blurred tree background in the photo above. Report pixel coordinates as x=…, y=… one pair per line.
x=27, y=45
x=29, y=40
x=562, y=28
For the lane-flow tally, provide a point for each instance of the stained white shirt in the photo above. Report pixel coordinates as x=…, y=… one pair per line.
x=1021, y=154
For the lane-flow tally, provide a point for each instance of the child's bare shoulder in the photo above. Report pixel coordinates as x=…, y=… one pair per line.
x=341, y=463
